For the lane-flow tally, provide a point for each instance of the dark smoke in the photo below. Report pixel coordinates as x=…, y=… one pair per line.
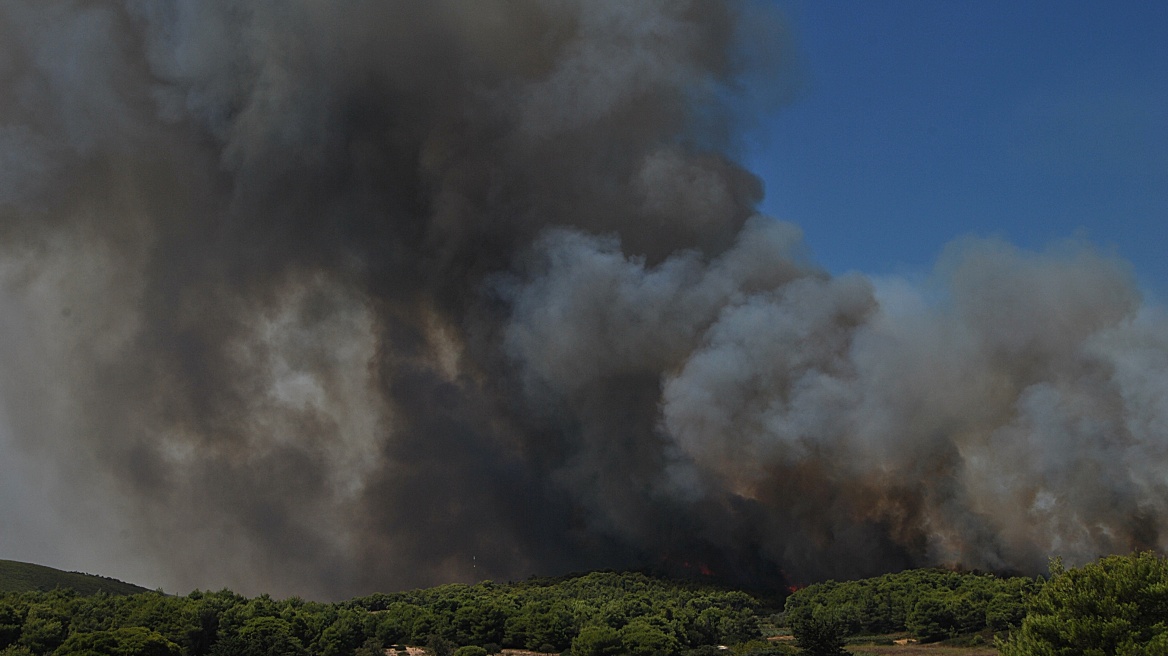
x=325, y=300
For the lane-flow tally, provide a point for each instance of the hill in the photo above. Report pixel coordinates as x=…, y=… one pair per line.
x=25, y=577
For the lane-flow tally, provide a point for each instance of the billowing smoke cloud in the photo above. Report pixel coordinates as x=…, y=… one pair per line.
x=324, y=300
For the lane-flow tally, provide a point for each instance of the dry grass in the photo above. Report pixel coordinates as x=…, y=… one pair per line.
x=913, y=649
x=421, y=651
x=904, y=646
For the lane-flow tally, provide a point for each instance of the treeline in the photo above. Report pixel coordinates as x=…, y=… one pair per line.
x=931, y=604
x=647, y=615
x=592, y=615
x=1116, y=605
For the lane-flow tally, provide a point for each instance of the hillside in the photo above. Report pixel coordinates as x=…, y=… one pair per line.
x=23, y=577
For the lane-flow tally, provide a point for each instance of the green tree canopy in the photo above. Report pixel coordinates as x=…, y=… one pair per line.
x=597, y=641
x=933, y=604
x=10, y=623
x=130, y=641
x=632, y=611
x=642, y=637
x=1115, y=606
x=819, y=636
x=261, y=636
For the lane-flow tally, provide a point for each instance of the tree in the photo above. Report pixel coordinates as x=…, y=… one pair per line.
x=536, y=625
x=439, y=646
x=396, y=624
x=371, y=647
x=343, y=636
x=1116, y=605
x=1006, y=610
x=819, y=636
x=938, y=616
x=129, y=641
x=596, y=641
x=10, y=624
x=642, y=638
x=45, y=628
x=739, y=626
x=479, y=623
x=261, y=636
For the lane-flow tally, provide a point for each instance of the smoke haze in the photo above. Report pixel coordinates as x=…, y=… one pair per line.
x=324, y=301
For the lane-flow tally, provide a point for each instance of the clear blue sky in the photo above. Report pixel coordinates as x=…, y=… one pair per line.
x=919, y=121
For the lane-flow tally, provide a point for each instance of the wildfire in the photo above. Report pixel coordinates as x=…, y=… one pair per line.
x=701, y=568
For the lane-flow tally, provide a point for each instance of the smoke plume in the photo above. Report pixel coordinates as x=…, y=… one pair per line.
x=321, y=299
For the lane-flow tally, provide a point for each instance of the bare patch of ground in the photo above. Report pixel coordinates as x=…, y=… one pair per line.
x=915, y=649
x=421, y=651
x=902, y=645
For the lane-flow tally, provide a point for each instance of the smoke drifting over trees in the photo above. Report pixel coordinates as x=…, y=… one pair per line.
x=329, y=300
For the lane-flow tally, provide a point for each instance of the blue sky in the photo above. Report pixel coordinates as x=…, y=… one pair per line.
x=921, y=121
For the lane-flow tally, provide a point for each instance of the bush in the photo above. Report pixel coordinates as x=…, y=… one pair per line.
x=470, y=650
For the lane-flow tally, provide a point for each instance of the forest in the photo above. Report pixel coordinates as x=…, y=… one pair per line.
x=1117, y=605
x=595, y=613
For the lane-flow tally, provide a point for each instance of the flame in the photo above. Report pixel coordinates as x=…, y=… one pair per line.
x=701, y=568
